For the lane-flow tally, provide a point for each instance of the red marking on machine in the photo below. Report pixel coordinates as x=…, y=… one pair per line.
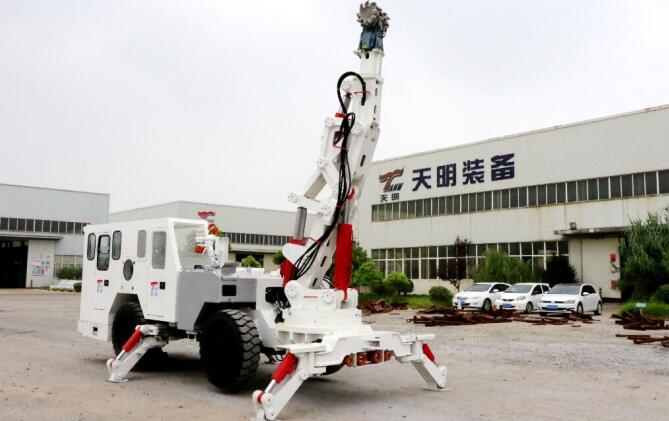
x=287, y=366
x=348, y=361
x=361, y=358
x=428, y=352
x=343, y=258
x=376, y=357
x=286, y=269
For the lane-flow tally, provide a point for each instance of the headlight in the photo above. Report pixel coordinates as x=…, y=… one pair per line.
x=570, y=301
x=521, y=298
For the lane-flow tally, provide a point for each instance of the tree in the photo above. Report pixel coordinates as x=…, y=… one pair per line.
x=400, y=282
x=456, y=269
x=278, y=258
x=644, y=256
x=251, y=262
x=366, y=275
x=497, y=266
x=558, y=270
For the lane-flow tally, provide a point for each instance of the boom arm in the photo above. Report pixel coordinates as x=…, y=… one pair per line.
x=347, y=148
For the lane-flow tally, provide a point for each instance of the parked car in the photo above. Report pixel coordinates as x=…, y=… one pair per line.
x=581, y=298
x=522, y=297
x=480, y=295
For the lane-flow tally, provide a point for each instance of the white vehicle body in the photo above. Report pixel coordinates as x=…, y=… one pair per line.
x=481, y=295
x=565, y=298
x=170, y=281
x=522, y=297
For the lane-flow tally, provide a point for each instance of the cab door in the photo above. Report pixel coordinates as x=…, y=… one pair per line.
x=103, y=296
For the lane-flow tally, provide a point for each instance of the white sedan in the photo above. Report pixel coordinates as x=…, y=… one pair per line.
x=479, y=295
x=562, y=298
x=522, y=297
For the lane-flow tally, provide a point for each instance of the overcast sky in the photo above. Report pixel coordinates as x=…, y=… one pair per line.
x=224, y=101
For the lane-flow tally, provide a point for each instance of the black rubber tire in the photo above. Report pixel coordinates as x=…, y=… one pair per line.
x=331, y=369
x=487, y=305
x=126, y=318
x=529, y=308
x=598, y=311
x=229, y=349
x=579, y=308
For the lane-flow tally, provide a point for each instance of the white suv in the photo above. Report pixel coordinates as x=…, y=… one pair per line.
x=479, y=295
x=581, y=298
x=522, y=297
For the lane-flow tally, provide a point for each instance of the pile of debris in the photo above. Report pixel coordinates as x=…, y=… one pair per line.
x=635, y=320
x=380, y=306
x=444, y=316
x=646, y=339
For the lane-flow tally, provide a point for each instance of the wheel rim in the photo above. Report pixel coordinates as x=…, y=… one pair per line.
x=529, y=308
x=579, y=308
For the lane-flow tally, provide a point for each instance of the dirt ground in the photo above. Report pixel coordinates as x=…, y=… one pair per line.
x=496, y=371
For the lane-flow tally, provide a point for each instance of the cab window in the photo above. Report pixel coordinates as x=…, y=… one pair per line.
x=158, y=249
x=116, y=245
x=90, y=247
x=103, y=252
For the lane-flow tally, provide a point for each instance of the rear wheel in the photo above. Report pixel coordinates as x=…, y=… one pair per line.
x=128, y=316
x=529, y=308
x=229, y=349
x=598, y=312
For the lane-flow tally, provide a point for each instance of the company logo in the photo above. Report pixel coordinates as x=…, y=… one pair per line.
x=388, y=179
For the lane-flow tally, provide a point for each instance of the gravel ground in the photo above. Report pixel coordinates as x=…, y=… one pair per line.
x=496, y=371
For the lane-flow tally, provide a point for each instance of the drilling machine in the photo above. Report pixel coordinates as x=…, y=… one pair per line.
x=303, y=318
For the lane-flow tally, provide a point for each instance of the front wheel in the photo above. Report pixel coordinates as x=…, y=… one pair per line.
x=529, y=308
x=598, y=312
x=229, y=349
x=487, y=305
x=579, y=308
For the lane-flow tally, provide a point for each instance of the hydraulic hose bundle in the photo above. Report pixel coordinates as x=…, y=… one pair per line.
x=340, y=141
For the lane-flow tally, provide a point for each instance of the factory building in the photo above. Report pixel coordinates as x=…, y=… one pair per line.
x=567, y=190
x=252, y=231
x=41, y=231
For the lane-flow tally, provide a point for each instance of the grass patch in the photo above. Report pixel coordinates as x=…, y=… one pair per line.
x=652, y=308
x=412, y=300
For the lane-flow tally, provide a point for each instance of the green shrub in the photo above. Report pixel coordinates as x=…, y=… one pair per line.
x=652, y=309
x=441, y=295
x=69, y=272
x=400, y=282
x=383, y=288
x=662, y=294
x=77, y=286
x=366, y=275
x=251, y=262
x=278, y=258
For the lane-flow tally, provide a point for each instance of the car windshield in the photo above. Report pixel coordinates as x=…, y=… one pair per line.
x=479, y=288
x=519, y=288
x=565, y=289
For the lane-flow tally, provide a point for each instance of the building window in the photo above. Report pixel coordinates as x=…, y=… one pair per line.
x=561, y=191
x=592, y=189
x=664, y=181
x=532, y=196
x=627, y=185
x=158, y=249
x=505, y=198
x=541, y=195
x=651, y=183
x=571, y=192
x=639, y=185
x=616, y=191
x=116, y=245
x=603, y=188
x=582, y=190
x=90, y=247
x=550, y=194
x=103, y=252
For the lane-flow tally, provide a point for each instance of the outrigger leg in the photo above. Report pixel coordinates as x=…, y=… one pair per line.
x=142, y=340
x=307, y=360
